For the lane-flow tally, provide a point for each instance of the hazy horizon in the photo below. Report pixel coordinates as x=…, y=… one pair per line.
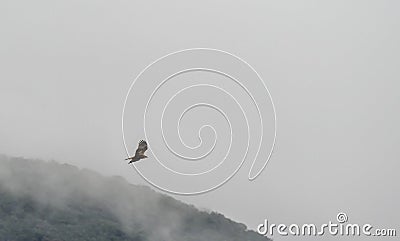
x=331, y=67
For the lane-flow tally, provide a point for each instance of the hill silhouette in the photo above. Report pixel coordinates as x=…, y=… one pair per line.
x=48, y=201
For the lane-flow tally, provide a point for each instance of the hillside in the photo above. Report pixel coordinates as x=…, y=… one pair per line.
x=50, y=201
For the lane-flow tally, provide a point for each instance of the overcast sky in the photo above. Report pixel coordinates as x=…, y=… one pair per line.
x=332, y=68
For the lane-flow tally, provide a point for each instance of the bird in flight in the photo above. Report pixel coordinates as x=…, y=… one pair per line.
x=139, y=154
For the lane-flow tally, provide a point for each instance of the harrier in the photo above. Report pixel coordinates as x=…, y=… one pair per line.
x=139, y=154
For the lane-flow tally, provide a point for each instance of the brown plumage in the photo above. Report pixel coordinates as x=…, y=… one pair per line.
x=139, y=154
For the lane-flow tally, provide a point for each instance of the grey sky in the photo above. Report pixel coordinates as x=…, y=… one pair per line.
x=332, y=68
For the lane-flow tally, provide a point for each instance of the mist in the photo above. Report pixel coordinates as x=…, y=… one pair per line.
x=332, y=68
x=137, y=208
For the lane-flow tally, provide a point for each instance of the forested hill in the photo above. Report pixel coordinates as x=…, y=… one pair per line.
x=50, y=201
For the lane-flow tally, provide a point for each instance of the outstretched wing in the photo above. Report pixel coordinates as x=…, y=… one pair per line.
x=142, y=147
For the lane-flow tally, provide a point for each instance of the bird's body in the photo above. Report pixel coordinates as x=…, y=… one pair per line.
x=139, y=154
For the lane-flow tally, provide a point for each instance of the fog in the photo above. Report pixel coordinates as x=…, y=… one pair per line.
x=332, y=69
x=138, y=209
